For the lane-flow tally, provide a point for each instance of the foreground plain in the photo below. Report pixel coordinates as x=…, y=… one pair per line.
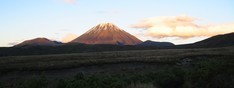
x=162, y=68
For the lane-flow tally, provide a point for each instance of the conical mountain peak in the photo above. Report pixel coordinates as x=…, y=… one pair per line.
x=107, y=33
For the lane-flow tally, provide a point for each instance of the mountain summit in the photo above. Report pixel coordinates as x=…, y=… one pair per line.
x=107, y=33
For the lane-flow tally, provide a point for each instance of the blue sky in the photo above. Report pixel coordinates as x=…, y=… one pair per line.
x=58, y=19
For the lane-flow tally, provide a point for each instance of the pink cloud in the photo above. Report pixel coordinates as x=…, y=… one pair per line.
x=69, y=37
x=181, y=26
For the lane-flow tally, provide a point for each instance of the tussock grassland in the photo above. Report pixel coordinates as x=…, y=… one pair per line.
x=162, y=68
x=63, y=61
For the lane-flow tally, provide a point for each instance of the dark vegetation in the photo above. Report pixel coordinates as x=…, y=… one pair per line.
x=209, y=73
x=63, y=61
x=173, y=68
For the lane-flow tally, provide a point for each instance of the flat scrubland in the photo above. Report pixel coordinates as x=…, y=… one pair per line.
x=161, y=68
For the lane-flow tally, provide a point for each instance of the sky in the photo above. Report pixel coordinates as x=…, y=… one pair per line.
x=176, y=21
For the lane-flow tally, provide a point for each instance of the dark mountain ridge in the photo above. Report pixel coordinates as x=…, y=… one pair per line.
x=217, y=41
x=157, y=44
x=41, y=46
x=222, y=40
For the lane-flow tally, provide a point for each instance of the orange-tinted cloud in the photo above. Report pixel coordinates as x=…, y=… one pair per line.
x=69, y=37
x=181, y=26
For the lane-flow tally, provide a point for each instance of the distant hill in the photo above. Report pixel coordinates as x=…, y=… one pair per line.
x=217, y=41
x=223, y=40
x=38, y=42
x=47, y=46
x=107, y=33
x=157, y=44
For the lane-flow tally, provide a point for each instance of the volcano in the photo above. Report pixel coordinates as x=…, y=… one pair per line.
x=39, y=42
x=107, y=33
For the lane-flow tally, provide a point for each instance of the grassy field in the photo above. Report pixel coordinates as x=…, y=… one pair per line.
x=162, y=68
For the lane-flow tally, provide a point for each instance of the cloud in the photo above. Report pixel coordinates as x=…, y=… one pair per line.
x=70, y=1
x=181, y=26
x=69, y=37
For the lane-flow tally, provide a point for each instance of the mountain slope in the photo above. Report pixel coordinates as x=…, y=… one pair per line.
x=39, y=42
x=157, y=44
x=107, y=33
x=217, y=41
x=224, y=40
